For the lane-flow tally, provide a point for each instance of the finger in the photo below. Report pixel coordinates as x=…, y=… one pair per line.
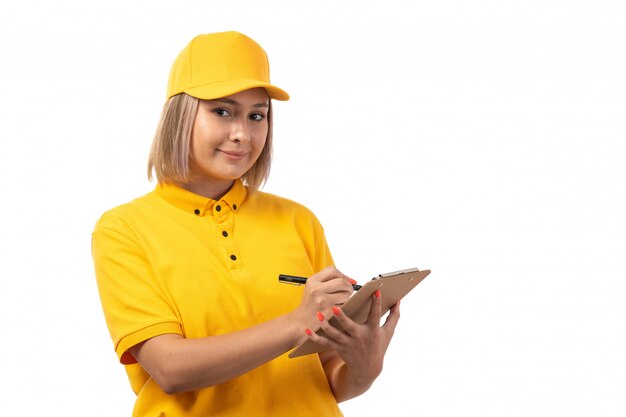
x=334, y=333
x=330, y=293
x=392, y=319
x=328, y=274
x=373, y=318
x=321, y=340
x=321, y=301
x=337, y=299
x=334, y=273
x=337, y=285
x=350, y=280
x=349, y=325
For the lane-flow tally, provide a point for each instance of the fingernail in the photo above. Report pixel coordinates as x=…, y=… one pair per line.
x=351, y=281
x=377, y=294
x=337, y=311
x=320, y=316
x=308, y=332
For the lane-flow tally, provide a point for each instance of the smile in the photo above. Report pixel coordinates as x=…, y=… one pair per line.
x=233, y=154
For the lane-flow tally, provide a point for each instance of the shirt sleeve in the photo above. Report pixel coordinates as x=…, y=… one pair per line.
x=136, y=307
x=320, y=255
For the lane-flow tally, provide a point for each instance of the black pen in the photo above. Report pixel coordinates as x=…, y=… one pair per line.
x=291, y=279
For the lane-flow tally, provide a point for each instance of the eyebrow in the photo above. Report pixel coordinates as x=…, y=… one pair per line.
x=229, y=101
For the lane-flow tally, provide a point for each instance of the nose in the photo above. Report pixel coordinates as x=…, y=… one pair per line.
x=239, y=131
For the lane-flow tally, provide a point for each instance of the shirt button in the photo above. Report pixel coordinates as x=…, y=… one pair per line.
x=233, y=257
x=196, y=211
x=224, y=233
x=234, y=206
x=218, y=208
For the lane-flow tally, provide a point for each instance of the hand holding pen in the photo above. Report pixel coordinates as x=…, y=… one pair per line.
x=324, y=290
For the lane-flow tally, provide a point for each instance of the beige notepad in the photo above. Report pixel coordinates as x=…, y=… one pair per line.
x=393, y=287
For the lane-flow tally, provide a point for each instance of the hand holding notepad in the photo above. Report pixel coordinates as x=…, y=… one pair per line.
x=393, y=287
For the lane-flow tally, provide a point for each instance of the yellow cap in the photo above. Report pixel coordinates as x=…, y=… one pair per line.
x=220, y=64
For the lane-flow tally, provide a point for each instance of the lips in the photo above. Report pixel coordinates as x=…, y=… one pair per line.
x=233, y=154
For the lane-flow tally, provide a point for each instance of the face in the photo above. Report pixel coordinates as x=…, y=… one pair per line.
x=227, y=138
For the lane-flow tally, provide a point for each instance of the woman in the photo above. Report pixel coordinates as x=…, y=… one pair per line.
x=187, y=274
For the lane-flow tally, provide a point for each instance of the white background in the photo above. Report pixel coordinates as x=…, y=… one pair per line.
x=485, y=140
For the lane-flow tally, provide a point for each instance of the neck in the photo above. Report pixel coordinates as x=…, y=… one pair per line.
x=213, y=189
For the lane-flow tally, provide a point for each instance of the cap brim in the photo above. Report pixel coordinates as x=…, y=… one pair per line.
x=226, y=88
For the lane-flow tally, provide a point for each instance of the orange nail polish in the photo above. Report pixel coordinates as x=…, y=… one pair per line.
x=377, y=294
x=320, y=316
x=337, y=311
x=308, y=332
x=351, y=281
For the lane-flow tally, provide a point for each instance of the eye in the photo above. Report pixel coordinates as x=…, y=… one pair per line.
x=222, y=112
x=257, y=117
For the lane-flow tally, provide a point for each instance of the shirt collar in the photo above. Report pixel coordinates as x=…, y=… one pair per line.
x=200, y=205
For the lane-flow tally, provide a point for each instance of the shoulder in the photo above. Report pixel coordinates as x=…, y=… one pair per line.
x=123, y=216
x=276, y=209
x=277, y=204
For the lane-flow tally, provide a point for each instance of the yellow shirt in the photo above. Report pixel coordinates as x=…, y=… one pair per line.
x=176, y=262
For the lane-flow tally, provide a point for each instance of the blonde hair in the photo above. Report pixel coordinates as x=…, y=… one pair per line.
x=169, y=154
